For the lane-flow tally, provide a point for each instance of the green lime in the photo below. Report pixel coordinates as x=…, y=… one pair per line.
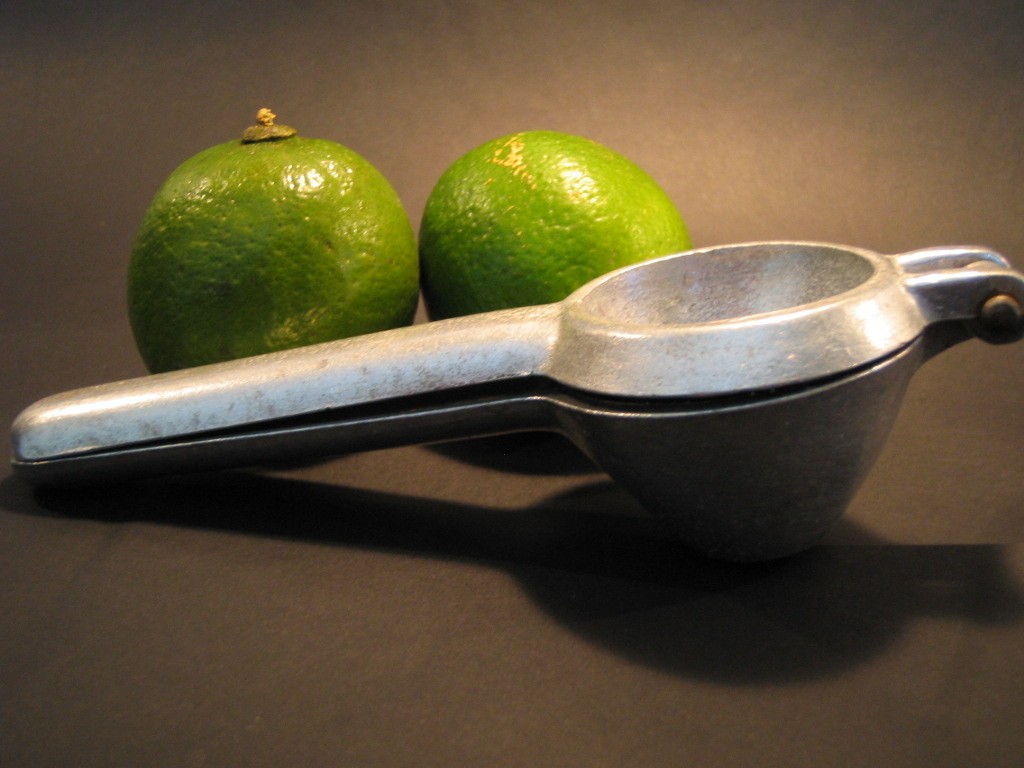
x=270, y=242
x=528, y=218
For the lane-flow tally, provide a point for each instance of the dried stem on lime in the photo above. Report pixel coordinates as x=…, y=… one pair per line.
x=265, y=129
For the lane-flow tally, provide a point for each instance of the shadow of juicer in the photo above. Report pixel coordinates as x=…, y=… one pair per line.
x=741, y=393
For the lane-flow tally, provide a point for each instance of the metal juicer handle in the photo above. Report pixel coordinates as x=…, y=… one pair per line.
x=223, y=404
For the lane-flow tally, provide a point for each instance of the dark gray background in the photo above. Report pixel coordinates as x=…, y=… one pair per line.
x=502, y=603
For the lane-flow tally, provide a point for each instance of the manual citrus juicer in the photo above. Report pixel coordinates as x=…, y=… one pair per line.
x=741, y=392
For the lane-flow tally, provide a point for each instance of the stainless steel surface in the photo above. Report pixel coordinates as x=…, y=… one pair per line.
x=798, y=353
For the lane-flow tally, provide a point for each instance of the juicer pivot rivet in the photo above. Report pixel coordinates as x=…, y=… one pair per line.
x=1001, y=315
x=1001, y=311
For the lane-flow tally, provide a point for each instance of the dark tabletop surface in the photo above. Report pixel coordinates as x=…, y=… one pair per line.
x=501, y=602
